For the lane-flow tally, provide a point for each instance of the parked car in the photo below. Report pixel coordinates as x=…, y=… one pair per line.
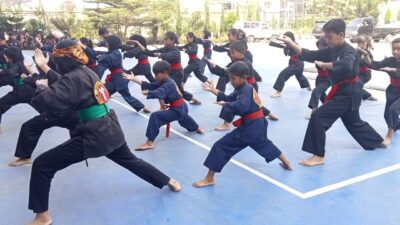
x=385, y=31
x=256, y=30
x=317, y=29
x=360, y=26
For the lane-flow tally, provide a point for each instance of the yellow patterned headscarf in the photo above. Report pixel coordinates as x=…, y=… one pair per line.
x=74, y=52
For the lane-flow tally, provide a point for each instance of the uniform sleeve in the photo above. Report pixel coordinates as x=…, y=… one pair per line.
x=376, y=65
x=90, y=53
x=172, y=55
x=226, y=98
x=220, y=48
x=217, y=70
x=58, y=97
x=311, y=55
x=150, y=86
x=276, y=45
x=161, y=92
x=132, y=52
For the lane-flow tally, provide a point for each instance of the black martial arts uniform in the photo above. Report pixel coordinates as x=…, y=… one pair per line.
x=178, y=110
x=98, y=134
x=251, y=129
x=343, y=101
x=173, y=56
x=207, y=53
x=322, y=83
x=21, y=92
x=143, y=65
x=296, y=67
x=194, y=64
x=364, y=73
x=392, y=107
x=31, y=130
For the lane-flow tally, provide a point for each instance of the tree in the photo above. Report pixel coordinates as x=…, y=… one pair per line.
x=388, y=16
x=178, y=18
x=398, y=14
x=230, y=19
x=250, y=10
x=258, y=12
x=222, y=27
x=206, y=15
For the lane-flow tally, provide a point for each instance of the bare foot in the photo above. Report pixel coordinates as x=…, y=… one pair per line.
x=41, y=219
x=174, y=185
x=200, y=131
x=309, y=88
x=203, y=183
x=307, y=117
x=146, y=110
x=144, y=147
x=386, y=142
x=273, y=117
x=276, y=94
x=286, y=166
x=223, y=127
x=20, y=162
x=195, y=102
x=313, y=161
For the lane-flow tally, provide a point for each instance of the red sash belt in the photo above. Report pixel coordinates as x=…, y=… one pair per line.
x=322, y=73
x=193, y=56
x=93, y=65
x=363, y=69
x=144, y=61
x=112, y=72
x=253, y=115
x=336, y=87
x=176, y=66
x=251, y=80
x=293, y=58
x=395, y=82
x=207, y=49
x=174, y=104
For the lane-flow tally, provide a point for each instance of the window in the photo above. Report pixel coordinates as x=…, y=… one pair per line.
x=247, y=25
x=255, y=25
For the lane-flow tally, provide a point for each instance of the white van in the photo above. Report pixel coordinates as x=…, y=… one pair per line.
x=256, y=30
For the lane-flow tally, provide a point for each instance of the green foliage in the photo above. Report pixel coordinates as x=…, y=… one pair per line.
x=388, y=16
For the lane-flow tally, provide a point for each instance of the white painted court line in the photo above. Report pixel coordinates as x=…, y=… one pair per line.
x=306, y=195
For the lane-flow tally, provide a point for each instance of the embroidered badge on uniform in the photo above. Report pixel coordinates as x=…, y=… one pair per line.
x=101, y=93
x=256, y=98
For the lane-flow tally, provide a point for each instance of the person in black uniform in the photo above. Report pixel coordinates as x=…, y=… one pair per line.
x=391, y=66
x=364, y=73
x=295, y=67
x=143, y=66
x=344, y=99
x=98, y=134
x=32, y=129
x=194, y=64
x=251, y=127
x=87, y=46
x=21, y=92
x=170, y=53
x=207, y=49
x=322, y=82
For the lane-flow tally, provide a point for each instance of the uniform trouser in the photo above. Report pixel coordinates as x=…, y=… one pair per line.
x=71, y=152
x=139, y=71
x=33, y=129
x=230, y=144
x=323, y=118
x=204, y=62
x=11, y=99
x=364, y=78
x=284, y=75
x=257, y=76
x=319, y=93
x=120, y=85
x=195, y=68
x=160, y=118
x=392, y=108
x=177, y=76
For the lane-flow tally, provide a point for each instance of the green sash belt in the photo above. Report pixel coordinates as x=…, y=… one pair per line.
x=93, y=112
